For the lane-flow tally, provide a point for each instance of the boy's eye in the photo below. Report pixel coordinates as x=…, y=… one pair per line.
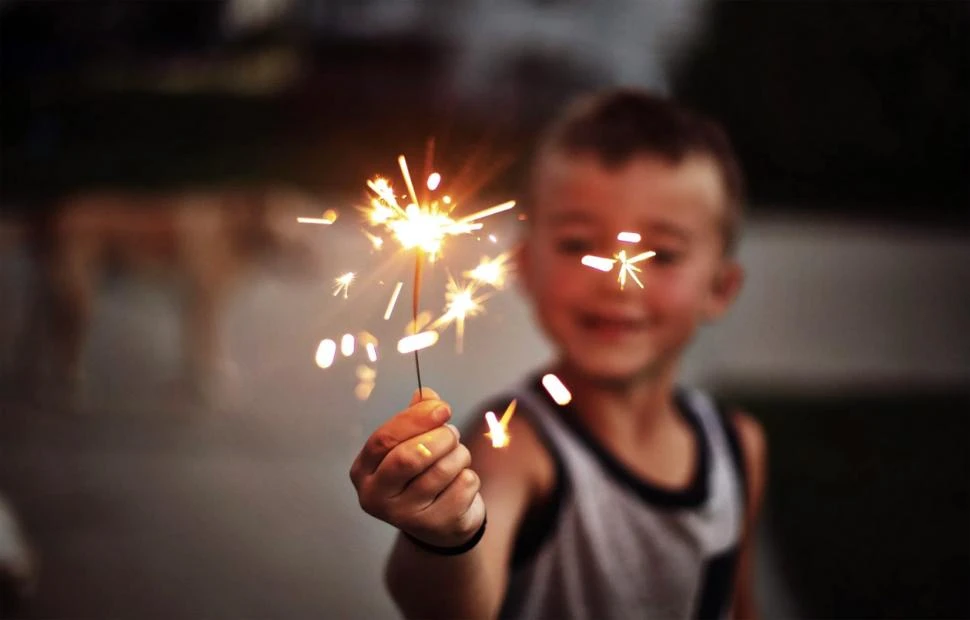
x=666, y=257
x=574, y=245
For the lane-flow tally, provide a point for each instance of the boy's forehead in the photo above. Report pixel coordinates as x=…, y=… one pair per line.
x=644, y=186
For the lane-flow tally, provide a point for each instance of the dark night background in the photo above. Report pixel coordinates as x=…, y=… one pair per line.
x=851, y=120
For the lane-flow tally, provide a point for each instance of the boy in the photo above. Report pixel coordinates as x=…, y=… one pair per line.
x=637, y=498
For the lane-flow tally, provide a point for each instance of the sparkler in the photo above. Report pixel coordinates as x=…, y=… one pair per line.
x=420, y=224
x=423, y=228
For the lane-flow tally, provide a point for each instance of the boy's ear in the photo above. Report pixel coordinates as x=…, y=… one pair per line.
x=724, y=289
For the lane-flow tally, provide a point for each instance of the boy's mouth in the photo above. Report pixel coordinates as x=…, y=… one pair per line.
x=611, y=324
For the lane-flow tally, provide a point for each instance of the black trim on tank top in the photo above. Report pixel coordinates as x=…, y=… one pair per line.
x=691, y=496
x=717, y=584
x=539, y=523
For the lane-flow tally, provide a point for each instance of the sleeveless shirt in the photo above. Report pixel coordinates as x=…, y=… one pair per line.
x=612, y=545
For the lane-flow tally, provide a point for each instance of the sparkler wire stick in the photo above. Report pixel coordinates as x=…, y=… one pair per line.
x=418, y=255
x=415, y=301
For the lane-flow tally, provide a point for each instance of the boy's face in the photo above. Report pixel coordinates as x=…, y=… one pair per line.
x=601, y=331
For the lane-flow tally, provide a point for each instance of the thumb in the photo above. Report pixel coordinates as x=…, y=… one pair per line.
x=426, y=394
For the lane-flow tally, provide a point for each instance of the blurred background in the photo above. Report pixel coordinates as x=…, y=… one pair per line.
x=168, y=448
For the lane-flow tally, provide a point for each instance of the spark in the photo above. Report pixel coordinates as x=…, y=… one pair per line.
x=556, y=389
x=328, y=218
x=627, y=265
x=366, y=373
x=416, y=342
x=460, y=303
x=377, y=242
x=434, y=180
x=369, y=342
x=493, y=238
x=390, y=304
x=342, y=283
x=418, y=323
x=347, y=345
x=421, y=226
x=498, y=430
x=363, y=390
x=598, y=262
x=490, y=271
x=326, y=351
x=628, y=237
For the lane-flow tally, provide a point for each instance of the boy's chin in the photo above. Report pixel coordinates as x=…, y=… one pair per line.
x=611, y=371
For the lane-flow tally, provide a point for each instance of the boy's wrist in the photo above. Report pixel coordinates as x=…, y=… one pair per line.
x=464, y=547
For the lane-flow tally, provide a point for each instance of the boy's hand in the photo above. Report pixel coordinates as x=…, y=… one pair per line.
x=413, y=473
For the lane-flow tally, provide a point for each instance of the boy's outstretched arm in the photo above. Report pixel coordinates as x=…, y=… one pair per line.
x=440, y=500
x=754, y=447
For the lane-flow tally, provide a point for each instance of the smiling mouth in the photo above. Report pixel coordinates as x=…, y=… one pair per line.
x=595, y=322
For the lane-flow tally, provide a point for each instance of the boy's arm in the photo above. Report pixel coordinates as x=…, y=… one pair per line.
x=754, y=447
x=472, y=585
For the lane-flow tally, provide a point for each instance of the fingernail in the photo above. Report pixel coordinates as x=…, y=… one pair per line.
x=454, y=429
x=440, y=414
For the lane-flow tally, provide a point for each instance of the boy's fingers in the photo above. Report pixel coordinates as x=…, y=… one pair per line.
x=417, y=419
x=410, y=459
x=425, y=394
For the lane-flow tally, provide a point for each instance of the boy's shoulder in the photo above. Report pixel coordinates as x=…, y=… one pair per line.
x=526, y=454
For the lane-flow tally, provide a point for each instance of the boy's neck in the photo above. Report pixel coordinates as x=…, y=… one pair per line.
x=635, y=409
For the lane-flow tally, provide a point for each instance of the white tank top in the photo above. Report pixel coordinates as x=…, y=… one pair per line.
x=612, y=545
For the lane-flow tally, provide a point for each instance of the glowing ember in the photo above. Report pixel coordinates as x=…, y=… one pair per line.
x=347, y=345
x=598, y=262
x=363, y=390
x=419, y=341
x=329, y=217
x=421, y=226
x=490, y=271
x=498, y=429
x=326, y=352
x=342, y=283
x=460, y=303
x=418, y=323
x=556, y=389
x=390, y=304
x=375, y=241
x=628, y=266
x=366, y=373
x=496, y=433
x=628, y=237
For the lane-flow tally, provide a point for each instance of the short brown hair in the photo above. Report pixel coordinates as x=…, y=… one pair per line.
x=618, y=125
